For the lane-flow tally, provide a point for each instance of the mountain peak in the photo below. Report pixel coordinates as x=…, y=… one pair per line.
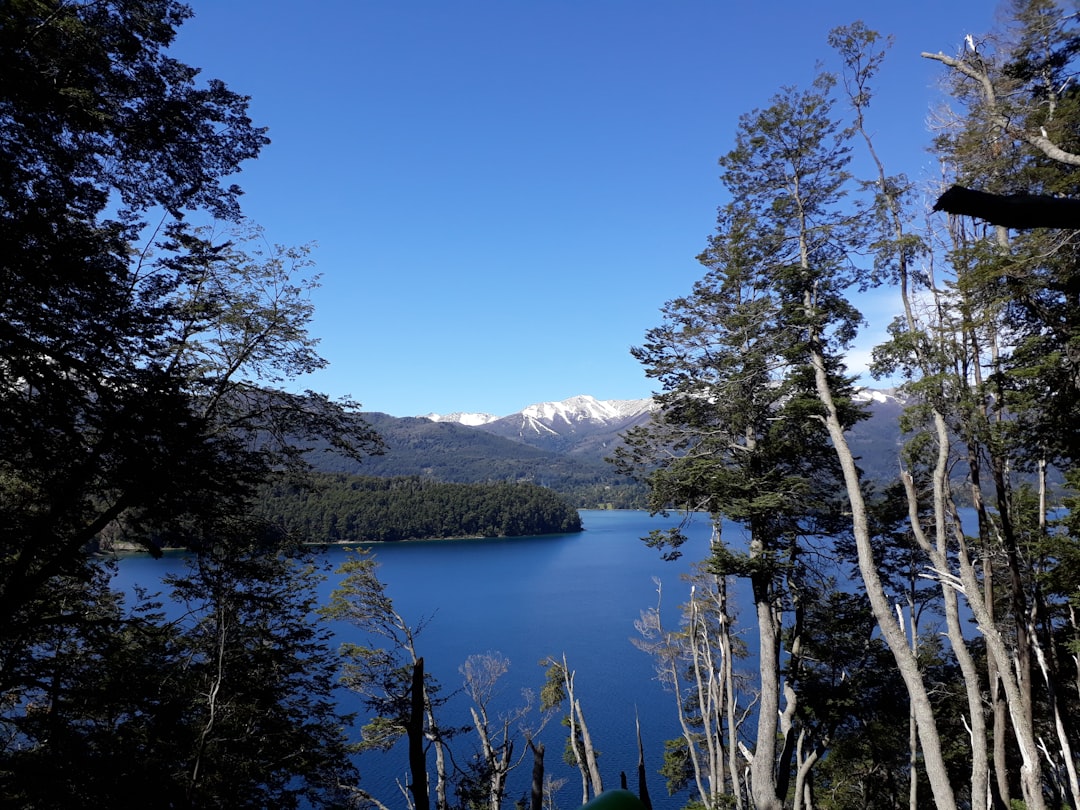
x=467, y=419
x=582, y=408
x=879, y=395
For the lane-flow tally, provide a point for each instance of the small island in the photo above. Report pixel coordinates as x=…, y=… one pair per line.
x=349, y=508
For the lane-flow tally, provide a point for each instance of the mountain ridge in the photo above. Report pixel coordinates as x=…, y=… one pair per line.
x=579, y=425
x=563, y=445
x=581, y=406
x=589, y=429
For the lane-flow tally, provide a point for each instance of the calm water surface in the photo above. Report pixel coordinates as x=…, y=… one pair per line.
x=529, y=598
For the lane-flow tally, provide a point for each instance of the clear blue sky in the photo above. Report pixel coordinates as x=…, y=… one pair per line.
x=505, y=192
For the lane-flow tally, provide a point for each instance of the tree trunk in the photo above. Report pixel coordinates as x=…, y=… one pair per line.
x=729, y=700
x=763, y=763
x=893, y=634
x=415, y=731
x=972, y=683
x=590, y=752
x=643, y=785
x=536, y=796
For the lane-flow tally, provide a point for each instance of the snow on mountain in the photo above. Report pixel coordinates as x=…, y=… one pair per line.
x=468, y=419
x=581, y=424
x=882, y=396
x=584, y=408
x=568, y=412
x=591, y=428
x=587, y=411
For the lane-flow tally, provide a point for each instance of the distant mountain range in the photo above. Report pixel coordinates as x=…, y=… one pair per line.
x=563, y=445
x=581, y=425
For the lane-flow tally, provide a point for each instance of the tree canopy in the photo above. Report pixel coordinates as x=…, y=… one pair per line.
x=985, y=343
x=334, y=509
x=150, y=340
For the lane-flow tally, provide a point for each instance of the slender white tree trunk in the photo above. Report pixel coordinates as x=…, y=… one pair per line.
x=893, y=634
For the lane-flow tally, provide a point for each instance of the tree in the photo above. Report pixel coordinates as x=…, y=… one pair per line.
x=496, y=758
x=695, y=663
x=139, y=356
x=1008, y=307
x=112, y=386
x=227, y=702
x=262, y=726
x=559, y=687
x=741, y=431
x=391, y=681
x=896, y=253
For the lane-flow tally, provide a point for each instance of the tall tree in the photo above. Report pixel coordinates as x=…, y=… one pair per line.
x=138, y=356
x=1014, y=298
x=741, y=430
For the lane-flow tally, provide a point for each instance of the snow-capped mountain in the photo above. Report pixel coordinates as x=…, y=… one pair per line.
x=879, y=396
x=578, y=412
x=580, y=424
x=468, y=419
x=586, y=427
x=571, y=411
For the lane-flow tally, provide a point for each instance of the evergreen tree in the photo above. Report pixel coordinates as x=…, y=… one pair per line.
x=741, y=430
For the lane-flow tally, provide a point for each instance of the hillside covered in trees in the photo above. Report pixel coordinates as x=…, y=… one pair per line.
x=443, y=451
x=341, y=508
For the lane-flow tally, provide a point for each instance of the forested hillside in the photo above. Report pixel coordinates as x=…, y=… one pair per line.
x=342, y=508
x=443, y=451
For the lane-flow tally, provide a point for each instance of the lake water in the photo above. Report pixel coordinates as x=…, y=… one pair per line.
x=529, y=598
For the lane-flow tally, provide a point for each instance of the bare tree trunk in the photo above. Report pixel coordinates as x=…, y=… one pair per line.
x=536, y=797
x=729, y=699
x=583, y=749
x=805, y=763
x=913, y=759
x=498, y=760
x=1064, y=746
x=1000, y=789
x=415, y=730
x=643, y=785
x=972, y=687
x=763, y=762
x=709, y=706
x=590, y=752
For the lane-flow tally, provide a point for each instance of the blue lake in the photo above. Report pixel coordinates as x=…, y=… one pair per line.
x=529, y=598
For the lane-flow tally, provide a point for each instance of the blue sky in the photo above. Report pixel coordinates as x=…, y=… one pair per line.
x=504, y=193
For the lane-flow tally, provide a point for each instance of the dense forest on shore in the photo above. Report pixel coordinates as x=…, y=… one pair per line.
x=347, y=508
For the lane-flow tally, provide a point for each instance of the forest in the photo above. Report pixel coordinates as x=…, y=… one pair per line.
x=973, y=621
x=152, y=341
x=339, y=508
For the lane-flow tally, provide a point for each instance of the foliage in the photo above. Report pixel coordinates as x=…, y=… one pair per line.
x=144, y=365
x=750, y=366
x=228, y=701
x=331, y=509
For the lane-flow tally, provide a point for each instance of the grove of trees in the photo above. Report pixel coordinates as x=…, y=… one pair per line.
x=973, y=623
x=333, y=509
